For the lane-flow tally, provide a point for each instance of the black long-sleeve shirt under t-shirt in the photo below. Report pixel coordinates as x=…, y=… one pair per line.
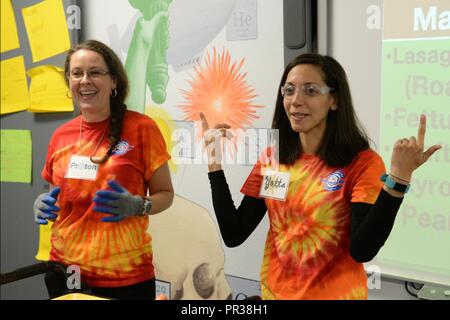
x=370, y=224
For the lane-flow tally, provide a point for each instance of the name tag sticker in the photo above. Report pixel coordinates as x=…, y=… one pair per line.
x=275, y=185
x=81, y=168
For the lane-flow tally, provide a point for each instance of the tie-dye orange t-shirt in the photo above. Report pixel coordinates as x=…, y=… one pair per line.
x=306, y=254
x=109, y=254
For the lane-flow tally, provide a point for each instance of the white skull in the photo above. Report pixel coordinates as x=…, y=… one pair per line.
x=187, y=252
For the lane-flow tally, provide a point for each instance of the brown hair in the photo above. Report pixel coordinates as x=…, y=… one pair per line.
x=117, y=102
x=344, y=136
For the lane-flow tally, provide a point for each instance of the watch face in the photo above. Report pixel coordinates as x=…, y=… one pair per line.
x=147, y=206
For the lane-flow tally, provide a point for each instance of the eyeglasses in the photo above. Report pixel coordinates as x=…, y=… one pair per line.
x=308, y=89
x=92, y=74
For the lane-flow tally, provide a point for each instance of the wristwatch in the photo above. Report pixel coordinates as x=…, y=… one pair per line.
x=146, y=207
x=394, y=185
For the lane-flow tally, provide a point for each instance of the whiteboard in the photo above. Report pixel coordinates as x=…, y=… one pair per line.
x=355, y=40
x=417, y=248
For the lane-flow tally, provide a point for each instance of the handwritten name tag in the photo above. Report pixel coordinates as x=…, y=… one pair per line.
x=275, y=185
x=81, y=168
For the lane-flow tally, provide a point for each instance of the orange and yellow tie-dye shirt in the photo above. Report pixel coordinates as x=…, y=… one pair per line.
x=109, y=254
x=306, y=254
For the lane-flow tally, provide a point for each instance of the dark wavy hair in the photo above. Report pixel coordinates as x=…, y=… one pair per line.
x=344, y=136
x=117, y=102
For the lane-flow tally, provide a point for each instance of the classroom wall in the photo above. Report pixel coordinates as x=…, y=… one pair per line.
x=349, y=40
x=19, y=232
x=343, y=20
x=355, y=39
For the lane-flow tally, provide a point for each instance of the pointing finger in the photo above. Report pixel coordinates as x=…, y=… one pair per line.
x=205, y=125
x=422, y=129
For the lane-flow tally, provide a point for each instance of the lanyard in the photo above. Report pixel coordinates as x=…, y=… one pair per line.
x=98, y=144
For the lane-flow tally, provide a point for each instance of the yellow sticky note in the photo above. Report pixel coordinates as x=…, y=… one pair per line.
x=14, y=87
x=48, y=90
x=9, y=37
x=47, y=29
x=15, y=156
x=45, y=232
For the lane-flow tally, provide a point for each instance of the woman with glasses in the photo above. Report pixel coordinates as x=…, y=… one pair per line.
x=328, y=208
x=108, y=172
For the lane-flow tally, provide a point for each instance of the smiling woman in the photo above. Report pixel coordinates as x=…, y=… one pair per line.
x=108, y=171
x=328, y=210
x=91, y=84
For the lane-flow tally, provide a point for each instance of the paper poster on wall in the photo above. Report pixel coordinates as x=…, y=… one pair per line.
x=47, y=30
x=229, y=85
x=177, y=41
x=14, y=87
x=193, y=26
x=184, y=143
x=16, y=159
x=9, y=37
x=45, y=233
x=146, y=62
x=48, y=90
x=243, y=23
x=167, y=126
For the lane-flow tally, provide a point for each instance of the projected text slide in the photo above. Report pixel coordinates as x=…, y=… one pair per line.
x=415, y=81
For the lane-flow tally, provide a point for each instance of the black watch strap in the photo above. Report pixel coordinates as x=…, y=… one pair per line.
x=394, y=185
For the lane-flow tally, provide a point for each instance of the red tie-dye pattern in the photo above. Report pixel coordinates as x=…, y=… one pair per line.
x=307, y=247
x=109, y=254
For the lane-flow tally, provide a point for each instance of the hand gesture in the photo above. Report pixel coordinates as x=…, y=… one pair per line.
x=119, y=203
x=44, y=206
x=212, y=139
x=408, y=154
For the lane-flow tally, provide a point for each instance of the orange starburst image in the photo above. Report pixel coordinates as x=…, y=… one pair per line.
x=220, y=90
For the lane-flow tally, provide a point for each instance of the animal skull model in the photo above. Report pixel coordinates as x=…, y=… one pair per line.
x=187, y=252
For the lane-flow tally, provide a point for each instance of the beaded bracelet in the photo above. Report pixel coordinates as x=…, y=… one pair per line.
x=404, y=180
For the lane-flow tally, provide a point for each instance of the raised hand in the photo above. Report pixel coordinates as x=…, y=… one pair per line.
x=408, y=154
x=212, y=142
x=44, y=206
x=119, y=203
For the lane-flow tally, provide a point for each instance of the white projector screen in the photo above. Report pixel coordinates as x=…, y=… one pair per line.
x=398, y=63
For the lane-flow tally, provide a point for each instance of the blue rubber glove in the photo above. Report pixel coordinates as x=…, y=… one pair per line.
x=44, y=206
x=119, y=203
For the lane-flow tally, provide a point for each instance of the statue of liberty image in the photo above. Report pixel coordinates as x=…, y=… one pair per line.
x=146, y=63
